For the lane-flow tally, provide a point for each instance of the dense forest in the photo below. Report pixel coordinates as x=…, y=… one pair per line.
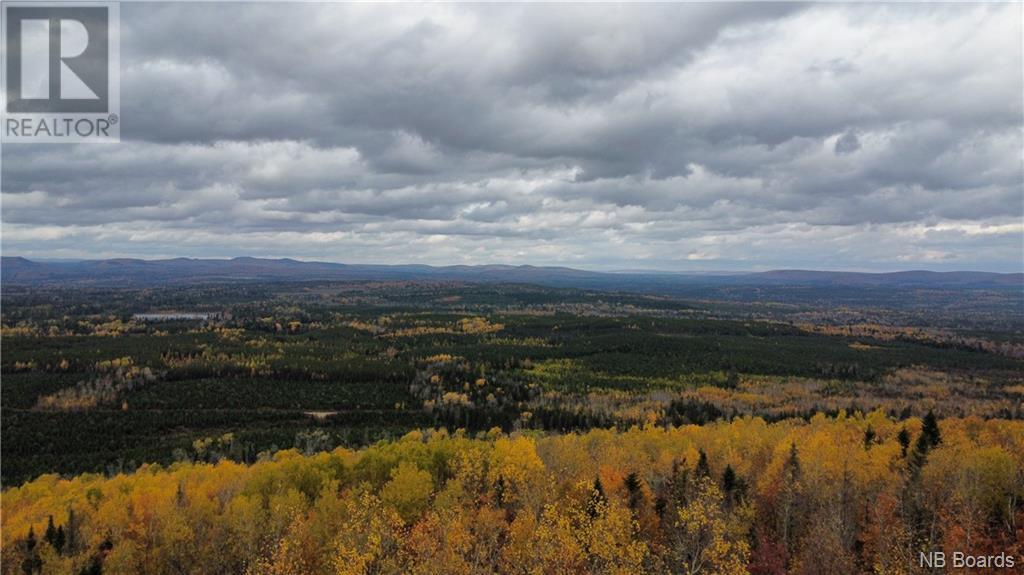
x=445, y=427
x=850, y=494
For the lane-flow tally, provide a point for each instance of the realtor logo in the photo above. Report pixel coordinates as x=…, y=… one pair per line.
x=61, y=72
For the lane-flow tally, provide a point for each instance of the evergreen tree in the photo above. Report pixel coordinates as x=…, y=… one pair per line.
x=703, y=469
x=50, y=535
x=30, y=540
x=179, y=496
x=59, y=539
x=904, y=439
x=728, y=480
x=789, y=499
x=793, y=464
x=32, y=563
x=71, y=533
x=633, y=486
x=929, y=439
x=660, y=506
x=930, y=430
x=869, y=437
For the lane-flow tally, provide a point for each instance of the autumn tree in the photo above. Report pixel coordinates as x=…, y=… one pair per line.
x=705, y=544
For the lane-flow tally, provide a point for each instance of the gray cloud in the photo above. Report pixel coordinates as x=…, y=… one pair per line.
x=681, y=136
x=848, y=143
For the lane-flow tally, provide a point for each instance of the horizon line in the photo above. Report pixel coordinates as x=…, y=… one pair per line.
x=519, y=265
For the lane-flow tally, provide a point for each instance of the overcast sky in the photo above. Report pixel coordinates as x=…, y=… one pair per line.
x=677, y=137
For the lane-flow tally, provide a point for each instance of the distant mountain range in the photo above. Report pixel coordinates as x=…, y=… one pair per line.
x=137, y=272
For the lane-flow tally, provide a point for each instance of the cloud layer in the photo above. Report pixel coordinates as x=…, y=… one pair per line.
x=693, y=136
